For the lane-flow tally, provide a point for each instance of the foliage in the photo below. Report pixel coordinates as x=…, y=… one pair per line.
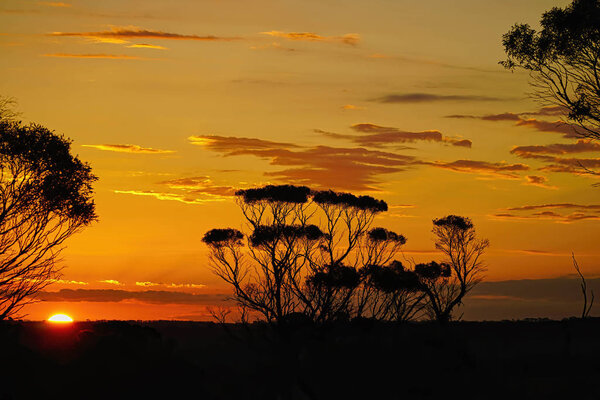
x=563, y=58
x=341, y=268
x=446, y=284
x=45, y=197
x=292, y=265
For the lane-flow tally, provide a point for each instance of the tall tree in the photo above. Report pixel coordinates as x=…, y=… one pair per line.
x=45, y=197
x=292, y=265
x=446, y=284
x=564, y=61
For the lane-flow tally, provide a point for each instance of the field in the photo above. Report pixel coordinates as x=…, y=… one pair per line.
x=163, y=359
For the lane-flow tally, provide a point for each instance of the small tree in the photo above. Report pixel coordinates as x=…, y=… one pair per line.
x=291, y=265
x=564, y=61
x=446, y=284
x=588, y=295
x=45, y=197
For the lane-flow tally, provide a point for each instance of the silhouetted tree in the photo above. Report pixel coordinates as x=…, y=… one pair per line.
x=45, y=197
x=391, y=293
x=563, y=59
x=293, y=266
x=588, y=295
x=447, y=283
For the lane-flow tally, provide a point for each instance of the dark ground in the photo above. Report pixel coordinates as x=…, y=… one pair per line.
x=175, y=360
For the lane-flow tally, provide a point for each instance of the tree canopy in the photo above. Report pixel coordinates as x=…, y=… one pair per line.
x=315, y=254
x=563, y=58
x=45, y=197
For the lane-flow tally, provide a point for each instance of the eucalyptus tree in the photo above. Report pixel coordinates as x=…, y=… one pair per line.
x=45, y=197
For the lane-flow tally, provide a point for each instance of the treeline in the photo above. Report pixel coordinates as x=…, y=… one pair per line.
x=315, y=256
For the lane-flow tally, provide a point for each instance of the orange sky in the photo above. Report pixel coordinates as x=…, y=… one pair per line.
x=175, y=104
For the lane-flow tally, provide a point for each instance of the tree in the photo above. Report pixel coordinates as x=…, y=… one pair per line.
x=588, y=295
x=391, y=293
x=292, y=266
x=564, y=61
x=45, y=197
x=447, y=283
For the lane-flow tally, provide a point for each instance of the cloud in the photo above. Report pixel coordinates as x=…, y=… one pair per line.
x=199, y=185
x=147, y=46
x=533, y=252
x=582, y=146
x=128, y=33
x=351, y=107
x=323, y=166
x=182, y=198
x=147, y=296
x=568, y=131
x=69, y=282
x=128, y=148
x=92, y=56
x=146, y=284
x=550, y=110
x=540, y=181
x=171, y=285
x=430, y=98
x=377, y=136
x=351, y=39
x=595, y=207
x=548, y=154
x=501, y=169
x=233, y=145
x=111, y=282
x=574, y=212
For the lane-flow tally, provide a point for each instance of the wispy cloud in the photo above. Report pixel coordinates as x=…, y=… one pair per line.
x=171, y=285
x=232, y=145
x=539, y=181
x=350, y=107
x=200, y=185
x=92, y=56
x=582, y=146
x=524, y=119
x=147, y=46
x=558, y=212
x=569, y=206
x=351, y=39
x=377, y=136
x=128, y=148
x=182, y=198
x=70, y=282
x=430, y=98
x=111, y=282
x=130, y=33
x=147, y=296
x=498, y=169
x=548, y=155
x=323, y=166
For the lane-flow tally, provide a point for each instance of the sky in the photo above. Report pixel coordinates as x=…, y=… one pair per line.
x=175, y=104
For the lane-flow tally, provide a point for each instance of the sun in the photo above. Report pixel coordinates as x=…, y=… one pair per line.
x=60, y=318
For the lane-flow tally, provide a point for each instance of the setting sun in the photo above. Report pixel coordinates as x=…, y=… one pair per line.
x=60, y=318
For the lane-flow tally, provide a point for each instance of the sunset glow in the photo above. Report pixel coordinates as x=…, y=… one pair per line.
x=176, y=105
x=60, y=318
